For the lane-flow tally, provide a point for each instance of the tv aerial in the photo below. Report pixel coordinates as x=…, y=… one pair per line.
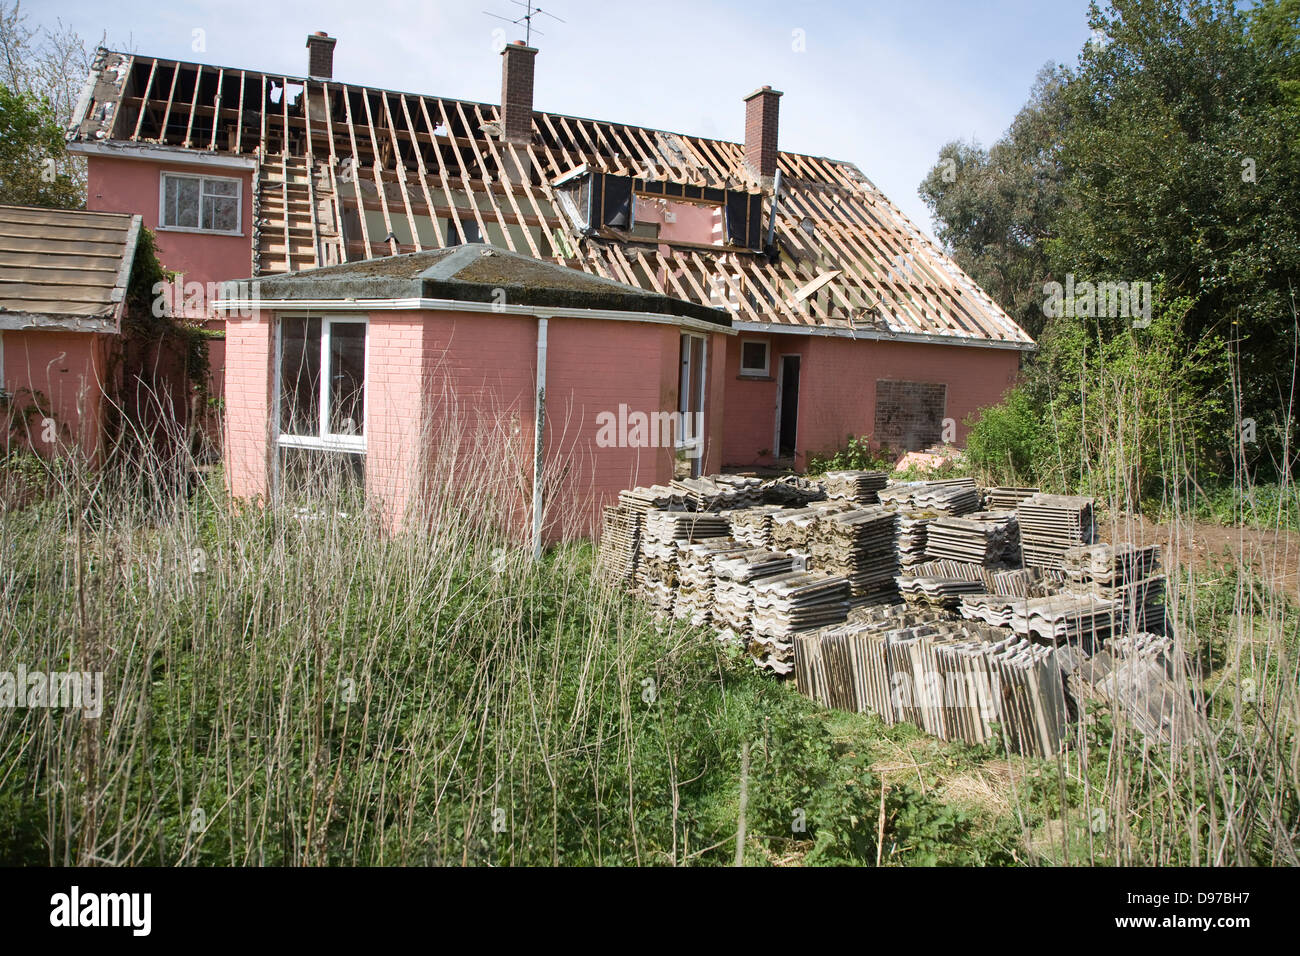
x=526, y=19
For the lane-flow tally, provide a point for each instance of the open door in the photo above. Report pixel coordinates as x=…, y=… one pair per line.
x=787, y=406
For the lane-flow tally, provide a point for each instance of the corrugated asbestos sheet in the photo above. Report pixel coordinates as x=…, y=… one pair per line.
x=426, y=170
x=64, y=268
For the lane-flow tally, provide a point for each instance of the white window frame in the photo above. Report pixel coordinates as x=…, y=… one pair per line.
x=684, y=441
x=238, y=197
x=325, y=440
x=751, y=371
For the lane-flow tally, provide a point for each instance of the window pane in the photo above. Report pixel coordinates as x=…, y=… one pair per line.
x=181, y=202
x=333, y=477
x=300, y=376
x=347, y=377
x=220, y=213
x=221, y=187
x=753, y=356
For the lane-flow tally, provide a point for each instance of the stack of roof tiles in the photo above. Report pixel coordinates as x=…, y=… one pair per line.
x=857, y=486
x=785, y=604
x=952, y=680
x=620, y=543
x=718, y=492
x=734, y=574
x=1052, y=524
x=695, y=592
x=859, y=545
x=988, y=538
x=754, y=525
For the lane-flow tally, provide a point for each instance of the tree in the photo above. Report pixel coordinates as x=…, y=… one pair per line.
x=1181, y=167
x=994, y=209
x=46, y=68
x=31, y=144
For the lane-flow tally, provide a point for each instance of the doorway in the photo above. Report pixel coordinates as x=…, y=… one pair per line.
x=787, y=406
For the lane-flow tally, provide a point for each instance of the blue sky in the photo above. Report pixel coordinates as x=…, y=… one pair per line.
x=882, y=84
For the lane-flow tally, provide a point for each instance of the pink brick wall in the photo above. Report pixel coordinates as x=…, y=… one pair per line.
x=444, y=385
x=249, y=355
x=132, y=186
x=838, y=389
x=70, y=371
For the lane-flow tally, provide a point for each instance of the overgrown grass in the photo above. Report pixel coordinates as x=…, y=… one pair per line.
x=295, y=683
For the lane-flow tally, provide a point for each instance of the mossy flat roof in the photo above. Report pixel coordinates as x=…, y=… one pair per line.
x=474, y=273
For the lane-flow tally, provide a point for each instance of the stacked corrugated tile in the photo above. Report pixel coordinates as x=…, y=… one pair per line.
x=936, y=592
x=1052, y=524
x=798, y=601
x=793, y=491
x=1006, y=499
x=987, y=538
x=657, y=569
x=791, y=528
x=913, y=533
x=695, y=581
x=953, y=680
x=753, y=525
x=1122, y=573
x=859, y=545
x=953, y=496
x=734, y=575
x=860, y=487
x=620, y=544
x=718, y=492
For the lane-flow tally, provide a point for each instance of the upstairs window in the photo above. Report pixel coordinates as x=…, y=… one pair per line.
x=200, y=204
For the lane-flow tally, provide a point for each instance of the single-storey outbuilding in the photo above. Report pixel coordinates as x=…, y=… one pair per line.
x=63, y=284
x=582, y=385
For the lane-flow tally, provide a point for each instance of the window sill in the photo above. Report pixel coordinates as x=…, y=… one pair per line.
x=357, y=447
x=754, y=377
x=200, y=232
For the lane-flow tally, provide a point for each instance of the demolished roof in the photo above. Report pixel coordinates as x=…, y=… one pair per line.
x=845, y=260
x=64, y=268
x=473, y=273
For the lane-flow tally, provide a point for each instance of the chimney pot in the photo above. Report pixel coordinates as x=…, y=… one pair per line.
x=762, y=109
x=320, y=56
x=517, y=92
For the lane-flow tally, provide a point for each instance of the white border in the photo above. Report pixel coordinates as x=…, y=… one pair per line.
x=751, y=372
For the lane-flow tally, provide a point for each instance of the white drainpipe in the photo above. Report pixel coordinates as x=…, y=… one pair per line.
x=539, y=439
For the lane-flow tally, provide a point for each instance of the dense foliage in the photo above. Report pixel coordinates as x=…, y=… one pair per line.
x=1167, y=155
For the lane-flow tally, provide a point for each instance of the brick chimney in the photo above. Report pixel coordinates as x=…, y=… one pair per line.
x=517, y=92
x=761, y=110
x=320, y=56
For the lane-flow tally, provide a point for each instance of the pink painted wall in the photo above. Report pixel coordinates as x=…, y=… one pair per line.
x=246, y=443
x=70, y=371
x=693, y=222
x=838, y=389
x=132, y=186
x=445, y=386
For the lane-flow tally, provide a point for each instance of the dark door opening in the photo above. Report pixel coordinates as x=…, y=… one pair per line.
x=789, y=414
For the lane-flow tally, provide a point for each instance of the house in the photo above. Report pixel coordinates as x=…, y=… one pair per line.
x=850, y=320
x=468, y=358
x=63, y=288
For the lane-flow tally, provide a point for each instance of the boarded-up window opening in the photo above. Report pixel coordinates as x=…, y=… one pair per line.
x=909, y=415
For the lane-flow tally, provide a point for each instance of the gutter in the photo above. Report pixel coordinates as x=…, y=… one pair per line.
x=163, y=154
x=775, y=328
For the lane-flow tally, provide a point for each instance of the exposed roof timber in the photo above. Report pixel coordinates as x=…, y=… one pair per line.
x=420, y=162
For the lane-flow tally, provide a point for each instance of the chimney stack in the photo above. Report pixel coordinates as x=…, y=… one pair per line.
x=320, y=56
x=761, y=110
x=517, y=93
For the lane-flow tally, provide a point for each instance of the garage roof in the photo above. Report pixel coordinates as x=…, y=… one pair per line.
x=64, y=268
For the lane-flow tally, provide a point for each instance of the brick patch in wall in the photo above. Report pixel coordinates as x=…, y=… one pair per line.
x=909, y=415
